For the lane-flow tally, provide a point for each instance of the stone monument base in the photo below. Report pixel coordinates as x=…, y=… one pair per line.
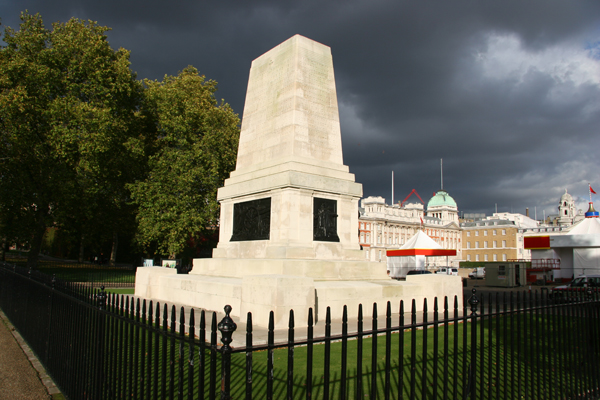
x=292, y=284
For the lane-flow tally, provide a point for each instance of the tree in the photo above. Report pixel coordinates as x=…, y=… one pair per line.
x=68, y=130
x=195, y=148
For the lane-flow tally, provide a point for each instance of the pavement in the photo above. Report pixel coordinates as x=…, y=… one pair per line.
x=260, y=334
x=22, y=376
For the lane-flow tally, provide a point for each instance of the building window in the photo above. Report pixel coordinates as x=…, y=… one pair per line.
x=468, y=245
x=504, y=243
x=485, y=257
x=484, y=233
x=476, y=233
x=468, y=234
x=503, y=257
x=502, y=270
x=494, y=244
x=495, y=257
x=503, y=232
x=494, y=232
x=476, y=257
x=476, y=245
x=468, y=257
x=485, y=244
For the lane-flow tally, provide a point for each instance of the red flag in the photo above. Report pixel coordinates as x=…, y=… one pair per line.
x=592, y=190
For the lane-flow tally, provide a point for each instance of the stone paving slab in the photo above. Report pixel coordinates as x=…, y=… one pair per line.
x=260, y=334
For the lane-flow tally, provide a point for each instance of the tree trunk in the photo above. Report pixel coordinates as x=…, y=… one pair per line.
x=115, y=244
x=81, y=250
x=35, y=247
x=4, y=249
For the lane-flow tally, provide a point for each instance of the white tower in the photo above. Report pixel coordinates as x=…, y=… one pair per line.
x=566, y=210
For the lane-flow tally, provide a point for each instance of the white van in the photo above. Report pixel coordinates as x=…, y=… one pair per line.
x=447, y=271
x=477, y=273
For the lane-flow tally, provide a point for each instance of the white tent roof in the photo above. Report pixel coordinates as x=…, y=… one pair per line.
x=586, y=226
x=420, y=241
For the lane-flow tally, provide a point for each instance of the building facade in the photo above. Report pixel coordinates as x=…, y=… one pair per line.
x=385, y=227
x=490, y=240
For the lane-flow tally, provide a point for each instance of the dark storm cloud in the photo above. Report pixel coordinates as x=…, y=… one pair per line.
x=496, y=89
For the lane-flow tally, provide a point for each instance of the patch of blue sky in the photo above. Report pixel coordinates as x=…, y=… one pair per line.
x=593, y=49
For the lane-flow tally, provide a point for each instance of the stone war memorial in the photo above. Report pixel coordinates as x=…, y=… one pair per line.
x=289, y=212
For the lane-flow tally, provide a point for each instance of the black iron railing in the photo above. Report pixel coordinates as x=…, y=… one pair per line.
x=514, y=345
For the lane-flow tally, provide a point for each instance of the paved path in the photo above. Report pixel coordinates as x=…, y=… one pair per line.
x=260, y=334
x=19, y=380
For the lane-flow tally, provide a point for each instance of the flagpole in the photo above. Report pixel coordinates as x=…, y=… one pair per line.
x=442, y=173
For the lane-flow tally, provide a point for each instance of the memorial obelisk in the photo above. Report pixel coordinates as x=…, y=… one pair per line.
x=288, y=235
x=290, y=196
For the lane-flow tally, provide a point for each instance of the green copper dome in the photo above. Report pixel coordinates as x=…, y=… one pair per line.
x=441, y=198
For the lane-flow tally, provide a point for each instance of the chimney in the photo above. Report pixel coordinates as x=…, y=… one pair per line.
x=527, y=212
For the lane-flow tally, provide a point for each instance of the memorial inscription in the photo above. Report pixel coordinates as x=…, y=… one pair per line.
x=325, y=220
x=252, y=220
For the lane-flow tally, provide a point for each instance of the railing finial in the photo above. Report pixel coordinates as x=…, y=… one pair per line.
x=473, y=302
x=227, y=327
x=102, y=298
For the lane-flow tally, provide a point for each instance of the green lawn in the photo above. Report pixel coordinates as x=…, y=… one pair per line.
x=74, y=272
x=125, y=291
x=505, y=366
x=85, y=274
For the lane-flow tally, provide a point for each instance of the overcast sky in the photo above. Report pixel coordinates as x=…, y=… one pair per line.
x=506, y=92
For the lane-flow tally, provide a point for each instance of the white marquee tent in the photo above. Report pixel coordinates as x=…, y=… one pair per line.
x=413, y=255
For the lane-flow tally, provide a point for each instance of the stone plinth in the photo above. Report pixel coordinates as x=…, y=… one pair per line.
x=260, y=294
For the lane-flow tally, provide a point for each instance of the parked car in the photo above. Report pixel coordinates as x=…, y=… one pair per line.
x=418, y=272
x=577, y=287
x=447, y=271
x=477, y=273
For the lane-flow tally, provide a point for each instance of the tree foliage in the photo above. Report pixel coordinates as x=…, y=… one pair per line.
x=193, y=151
x=69, y=129
x=88, y=149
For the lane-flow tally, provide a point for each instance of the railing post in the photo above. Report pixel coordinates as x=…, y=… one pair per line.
x=290, y=366
x=249, y=356
x=48, y=342
x=226, y=327
x=100, y=352
x=102, y=298
x=471, y=386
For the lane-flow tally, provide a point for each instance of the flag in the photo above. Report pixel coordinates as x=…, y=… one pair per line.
x=592, y=190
